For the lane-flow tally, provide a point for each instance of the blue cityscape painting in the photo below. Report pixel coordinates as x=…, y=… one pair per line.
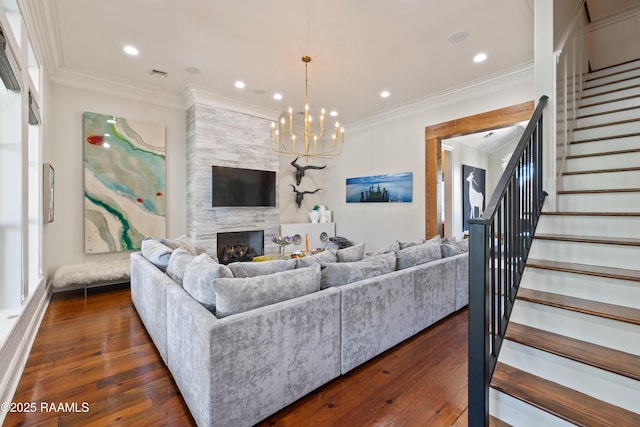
x=389, y=188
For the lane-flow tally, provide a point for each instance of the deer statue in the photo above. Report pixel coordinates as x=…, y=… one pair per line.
x=476, y=199
x=300, y=170
x=300, y=194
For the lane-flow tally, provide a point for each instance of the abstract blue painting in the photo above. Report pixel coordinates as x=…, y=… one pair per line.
x=124, y=182
x=389, y=188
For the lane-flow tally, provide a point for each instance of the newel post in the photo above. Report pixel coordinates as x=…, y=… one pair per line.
x=479, y=360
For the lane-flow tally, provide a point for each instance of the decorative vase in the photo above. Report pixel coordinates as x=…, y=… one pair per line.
x=325, y=216
x=314, y=216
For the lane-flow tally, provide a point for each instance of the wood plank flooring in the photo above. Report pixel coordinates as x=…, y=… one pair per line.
x=96, y=353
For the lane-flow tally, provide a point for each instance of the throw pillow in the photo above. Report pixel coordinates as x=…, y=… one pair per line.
x=252, y=269
x=178, y=263
x=235, y=295
x=341, y=273
x=198, y=278
x=419, y=254
x=457, y=248
x=180, y=242
x=320, y=257
x=351, y=254
x=391, y=248
x=156, y=252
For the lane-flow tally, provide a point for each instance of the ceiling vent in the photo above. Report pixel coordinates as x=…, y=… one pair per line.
x=6, y=71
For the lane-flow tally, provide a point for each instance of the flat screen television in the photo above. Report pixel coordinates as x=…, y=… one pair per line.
x=234, y=187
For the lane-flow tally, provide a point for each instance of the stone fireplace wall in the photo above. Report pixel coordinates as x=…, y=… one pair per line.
x=217, y=136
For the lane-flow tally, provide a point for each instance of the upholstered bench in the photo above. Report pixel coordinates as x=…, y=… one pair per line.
x=91, y=274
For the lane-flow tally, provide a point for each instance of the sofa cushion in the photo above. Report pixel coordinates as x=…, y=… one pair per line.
x=156, y=252
x=451, y=249
x=419, y=254
x=252, y=269
x=341, y=273
x=320, y=257
x=351, y=254
x=404, y=245
x=390, y=248
x=237, y=295
x=198, y=278
x=178, y=263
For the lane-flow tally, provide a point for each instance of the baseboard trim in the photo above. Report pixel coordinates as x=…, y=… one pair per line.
x=14, y=352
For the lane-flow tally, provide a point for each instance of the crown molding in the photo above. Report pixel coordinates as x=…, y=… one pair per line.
x=522, y=74
x=43, y=22
x=195, y=94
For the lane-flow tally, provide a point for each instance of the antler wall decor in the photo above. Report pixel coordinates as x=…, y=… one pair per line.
x=300, y=170
x=300, y=194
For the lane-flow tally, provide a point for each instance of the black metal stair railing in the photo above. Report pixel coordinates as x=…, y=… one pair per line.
x=499, y=244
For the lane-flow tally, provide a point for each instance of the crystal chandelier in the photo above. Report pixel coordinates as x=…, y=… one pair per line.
x=303, y=140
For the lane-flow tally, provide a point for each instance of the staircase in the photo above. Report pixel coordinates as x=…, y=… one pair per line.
x=572, y=350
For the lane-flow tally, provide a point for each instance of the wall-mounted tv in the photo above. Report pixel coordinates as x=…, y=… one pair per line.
x=233, y=187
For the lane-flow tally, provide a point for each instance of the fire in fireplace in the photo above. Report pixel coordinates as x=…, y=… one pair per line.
x=239, y=245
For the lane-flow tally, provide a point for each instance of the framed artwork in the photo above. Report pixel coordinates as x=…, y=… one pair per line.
x=473, y=194
x=389, y=188
x=124, y=182
x=48, y=187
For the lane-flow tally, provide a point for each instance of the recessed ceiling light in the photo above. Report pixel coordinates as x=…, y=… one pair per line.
x=130, y=50
x=277, y=96
x=458, y=37
x=384, y=94
x=239, y=84
x=481, y=57
x=333, y=113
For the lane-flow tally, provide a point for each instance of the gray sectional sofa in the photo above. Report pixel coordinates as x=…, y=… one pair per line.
x=239, y=367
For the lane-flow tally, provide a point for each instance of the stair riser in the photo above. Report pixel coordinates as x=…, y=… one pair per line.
x=603, y=385
x=610, y=161
x=606, y=131
x=611, y=96
x=597, y=330
x=617, y=256
x=611, y=86
x=604, y=289
x=601, y=181
x=610, y=106
x=626, y=143
x=602, y=226
x=613, y=70
x=608, y=118
x=517, y=413
x=615, y=78
x=600, y=202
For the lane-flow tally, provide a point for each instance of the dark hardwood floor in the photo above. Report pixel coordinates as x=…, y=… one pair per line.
x=95, y=357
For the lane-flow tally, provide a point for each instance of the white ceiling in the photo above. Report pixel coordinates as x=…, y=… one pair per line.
x=358, y=49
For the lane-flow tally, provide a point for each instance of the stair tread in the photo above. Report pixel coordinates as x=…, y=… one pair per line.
x=618, y=110
x=580, y=305
x=626, y=241
x=561, y=401
x=586, y=97
x=608, y=359
x=624, y=98
x=600, y=191
x=589, y=78
x=630, y=169
x=586, y=269
x=626, y=135
x=602, y=125
x=604, y=153
x=577, y=213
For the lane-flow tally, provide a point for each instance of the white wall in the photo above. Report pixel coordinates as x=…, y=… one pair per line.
x=64, y=237
x=395, y=142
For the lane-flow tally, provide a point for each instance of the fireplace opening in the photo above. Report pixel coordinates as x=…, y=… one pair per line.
x=238, y=246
